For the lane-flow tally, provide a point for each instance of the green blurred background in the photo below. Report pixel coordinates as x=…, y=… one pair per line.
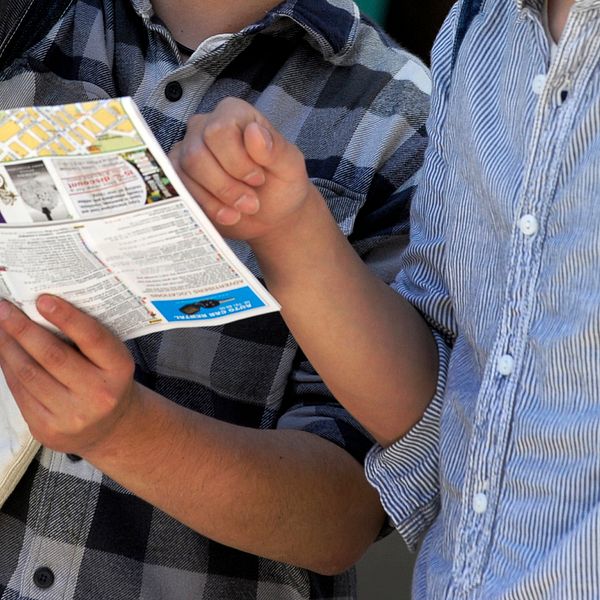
x=376, y=9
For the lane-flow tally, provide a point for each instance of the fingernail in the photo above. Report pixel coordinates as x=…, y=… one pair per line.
x=267, y=137
x=47, y=304
x=255, y=178
x=247, y=204
x=4, y=310
x=227, y=216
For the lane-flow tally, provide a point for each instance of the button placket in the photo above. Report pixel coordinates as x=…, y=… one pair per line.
x=490, y=434
x=479, y=503
x=528, y=224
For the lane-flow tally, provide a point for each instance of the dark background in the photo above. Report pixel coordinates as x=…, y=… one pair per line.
x=412, y=23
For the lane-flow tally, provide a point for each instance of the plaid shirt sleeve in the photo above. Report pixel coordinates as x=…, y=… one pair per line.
x=312, y=408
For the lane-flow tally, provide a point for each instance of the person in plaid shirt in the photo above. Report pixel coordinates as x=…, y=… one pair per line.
x=212, y=462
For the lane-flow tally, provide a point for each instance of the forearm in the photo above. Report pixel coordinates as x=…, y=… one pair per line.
x=372, y=348
x=285, y=495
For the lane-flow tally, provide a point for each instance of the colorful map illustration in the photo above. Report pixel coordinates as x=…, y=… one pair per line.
x=69, y=130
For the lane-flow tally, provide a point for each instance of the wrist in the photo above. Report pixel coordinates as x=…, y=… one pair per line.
x=122, y=433
x=297, y=230
x=304, y=252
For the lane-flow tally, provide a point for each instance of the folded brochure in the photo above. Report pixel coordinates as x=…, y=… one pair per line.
x=92, y=210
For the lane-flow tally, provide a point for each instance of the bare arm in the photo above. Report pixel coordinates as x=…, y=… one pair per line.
x=286, y=495
x=371, y=347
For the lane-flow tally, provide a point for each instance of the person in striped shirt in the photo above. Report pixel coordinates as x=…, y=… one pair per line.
x=480, y=378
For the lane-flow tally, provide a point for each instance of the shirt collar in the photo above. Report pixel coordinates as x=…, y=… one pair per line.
x=539, y=4
x=331, y=25
x=531, y=4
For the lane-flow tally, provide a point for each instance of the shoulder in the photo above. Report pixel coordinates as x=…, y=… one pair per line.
x=350, y=58
x=376, y=50
x=394, y=79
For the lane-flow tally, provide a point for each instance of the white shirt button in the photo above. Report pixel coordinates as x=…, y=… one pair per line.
x=505, y=364
x=538, y=83
x=528, y=225
x=479, y=503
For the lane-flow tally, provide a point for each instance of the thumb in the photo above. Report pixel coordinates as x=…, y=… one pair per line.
x=269, y=149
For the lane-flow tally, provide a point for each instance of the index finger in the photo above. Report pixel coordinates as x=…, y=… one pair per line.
x=95, y=342
x=223, y=134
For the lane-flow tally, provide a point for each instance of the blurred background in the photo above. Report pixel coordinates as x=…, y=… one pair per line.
x=412, y=24
x=386, y=570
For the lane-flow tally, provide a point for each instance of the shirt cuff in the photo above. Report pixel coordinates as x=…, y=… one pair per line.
x=406, y=474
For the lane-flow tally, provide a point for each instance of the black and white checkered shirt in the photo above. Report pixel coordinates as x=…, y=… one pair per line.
x=356, y=106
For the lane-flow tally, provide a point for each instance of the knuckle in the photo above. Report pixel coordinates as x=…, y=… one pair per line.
x=228, y=191
x=194, y=122
x=77, y=423
x=229, y=103
x=55, y=355
x=191, y=154
x=93, y=336
x=65, y=318
x=27, y=373
x=124, y=367
x=106, y=400
x=19, y=325
x=5, y=340
x=215, y=129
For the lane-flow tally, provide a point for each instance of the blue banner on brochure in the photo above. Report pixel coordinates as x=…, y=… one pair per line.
x=209, y=307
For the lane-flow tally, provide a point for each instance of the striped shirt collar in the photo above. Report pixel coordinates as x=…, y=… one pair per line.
x=332, y=26
x=538, y=5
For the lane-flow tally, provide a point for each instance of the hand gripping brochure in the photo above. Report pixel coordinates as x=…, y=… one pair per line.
x=91, y=210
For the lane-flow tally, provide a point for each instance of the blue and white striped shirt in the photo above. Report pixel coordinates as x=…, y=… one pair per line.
x=504, y=263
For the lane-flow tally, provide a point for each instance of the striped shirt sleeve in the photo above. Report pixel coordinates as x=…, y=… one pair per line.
x=406, y=474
